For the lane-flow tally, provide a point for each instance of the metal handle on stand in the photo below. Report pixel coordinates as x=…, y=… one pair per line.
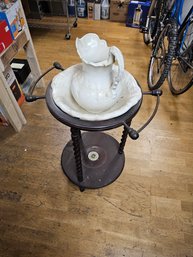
x=134, y=134
x=30, y=97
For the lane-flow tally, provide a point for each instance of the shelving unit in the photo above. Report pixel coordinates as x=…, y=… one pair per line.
x=56, y=18
x=7, y=99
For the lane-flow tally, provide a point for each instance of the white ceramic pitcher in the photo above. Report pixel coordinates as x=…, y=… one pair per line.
x=96, y=84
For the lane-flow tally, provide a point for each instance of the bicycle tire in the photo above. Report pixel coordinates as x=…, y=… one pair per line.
x=169, y=32
x=180, y=77
x=146, y=38
x=149, y=36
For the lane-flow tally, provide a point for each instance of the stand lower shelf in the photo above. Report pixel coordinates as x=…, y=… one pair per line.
x=101, y=162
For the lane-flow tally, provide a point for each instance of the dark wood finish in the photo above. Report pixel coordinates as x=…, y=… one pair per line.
x=123, y=140
x=88, y=173
x=82, y=171
x=75, y=135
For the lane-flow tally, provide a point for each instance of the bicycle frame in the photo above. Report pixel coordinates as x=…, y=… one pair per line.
x=177, y=11
x=152, y=6
x=186, y=22
x=174, y=8
x=184, y=60
x=171, y=10
x=172, y=32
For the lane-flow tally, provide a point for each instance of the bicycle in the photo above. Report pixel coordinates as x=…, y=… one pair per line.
x=164, y=44
x=180, y=76
x=153, y=21
x=166, y=55
x=149, y=30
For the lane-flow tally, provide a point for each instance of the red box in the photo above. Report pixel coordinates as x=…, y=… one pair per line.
x=5, y=38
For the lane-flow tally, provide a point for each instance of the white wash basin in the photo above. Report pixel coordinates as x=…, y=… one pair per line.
x=61, y=92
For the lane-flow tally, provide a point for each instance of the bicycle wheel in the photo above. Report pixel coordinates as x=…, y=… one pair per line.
x=152, y=22
x=180, y=77
x=162, y=55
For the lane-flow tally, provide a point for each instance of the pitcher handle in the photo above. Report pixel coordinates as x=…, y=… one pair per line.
x=120, y=60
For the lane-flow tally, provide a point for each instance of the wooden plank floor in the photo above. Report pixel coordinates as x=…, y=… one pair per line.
x=146, y=212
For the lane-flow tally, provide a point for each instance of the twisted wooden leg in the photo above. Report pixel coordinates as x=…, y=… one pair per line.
x=123, y=141
x=76, y=136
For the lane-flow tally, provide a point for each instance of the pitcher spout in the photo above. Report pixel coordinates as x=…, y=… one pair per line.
x=93, y=50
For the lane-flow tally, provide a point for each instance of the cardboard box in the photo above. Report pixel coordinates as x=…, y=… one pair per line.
x=5, y=38
x=14, y=86
x=137, y=13
x=21, y=69
x=118, y=10
x=17, y=92
x=23, y=74
x=13, y=18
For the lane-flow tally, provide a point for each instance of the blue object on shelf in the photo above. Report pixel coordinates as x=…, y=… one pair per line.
x=81, y=8
x=137, y=13
x=71, y=7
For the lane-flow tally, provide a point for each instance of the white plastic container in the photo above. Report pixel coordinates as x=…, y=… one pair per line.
x=81, y=8
x=97, y=10
x=105, y=9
